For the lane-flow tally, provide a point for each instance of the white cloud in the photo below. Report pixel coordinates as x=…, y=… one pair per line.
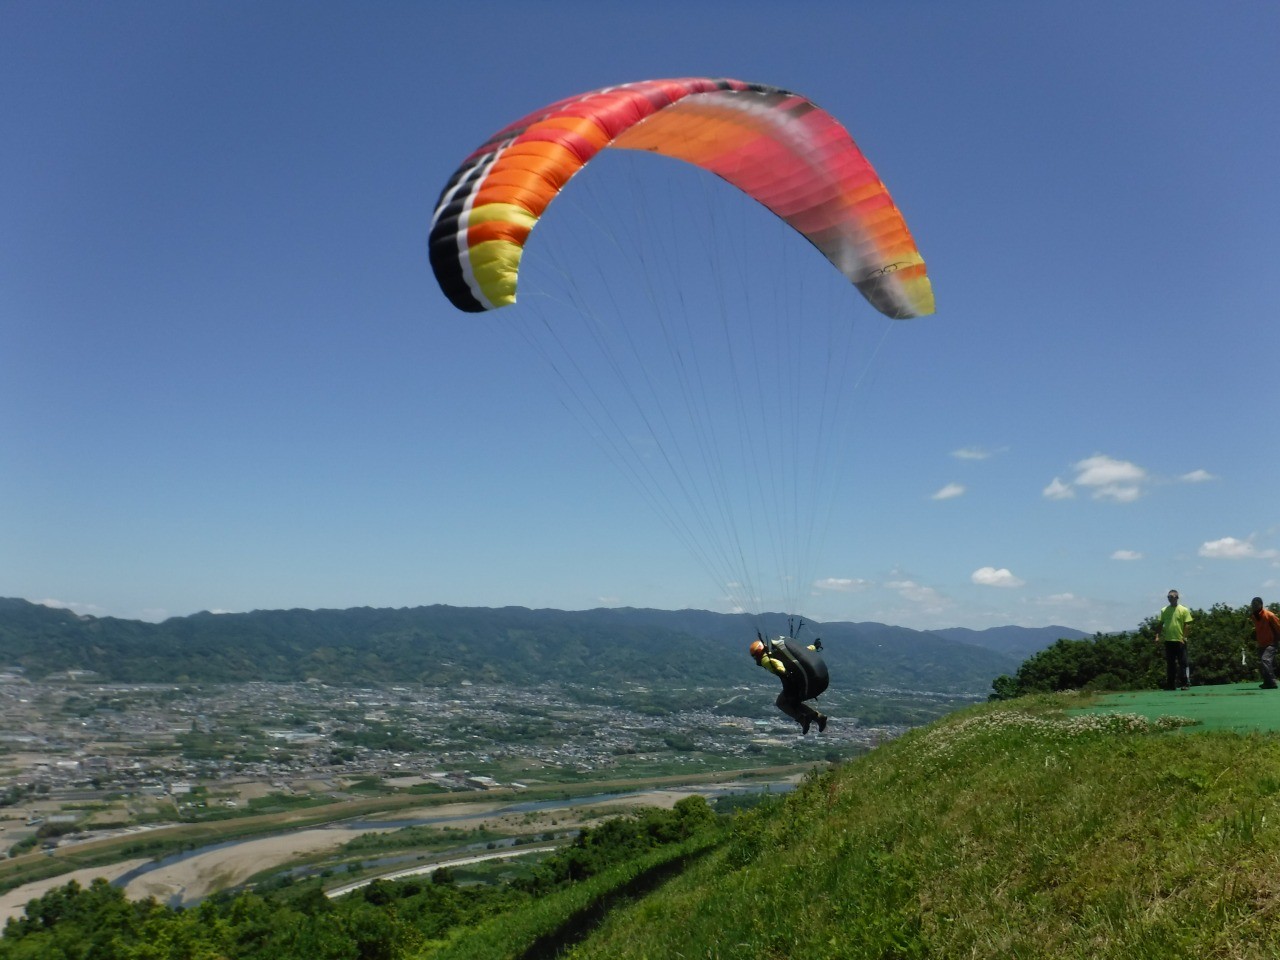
x=1104, y=471
x=841, y=584
x=949, y=492
x=1110, y=479
x=1126, y=555
x=991, y=577
x=1229, y=548
x=1054, y=599
x=1058, y=490
x=1105, y=477
x=1197, y=476
x=973, y=453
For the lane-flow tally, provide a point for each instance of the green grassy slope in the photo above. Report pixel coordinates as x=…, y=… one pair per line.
x=1007, y=830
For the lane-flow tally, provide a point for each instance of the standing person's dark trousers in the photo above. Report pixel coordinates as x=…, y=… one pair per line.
x=1267, y=655
x=1175, y=664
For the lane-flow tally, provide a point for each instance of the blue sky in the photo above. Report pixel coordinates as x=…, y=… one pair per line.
x=229, y=382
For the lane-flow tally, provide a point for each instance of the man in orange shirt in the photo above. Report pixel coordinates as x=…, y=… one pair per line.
x=1266, y=630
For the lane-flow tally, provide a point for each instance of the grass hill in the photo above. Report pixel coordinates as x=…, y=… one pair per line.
x=441, y=645
x=1020, y=829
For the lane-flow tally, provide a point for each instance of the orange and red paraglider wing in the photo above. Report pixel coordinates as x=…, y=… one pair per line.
x=777, y=147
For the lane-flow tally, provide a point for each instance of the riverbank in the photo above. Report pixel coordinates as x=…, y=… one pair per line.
x=189, y=877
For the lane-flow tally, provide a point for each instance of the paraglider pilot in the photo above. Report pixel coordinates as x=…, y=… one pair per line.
x=802, y=672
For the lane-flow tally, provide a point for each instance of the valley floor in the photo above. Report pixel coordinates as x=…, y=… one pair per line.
x=227, y=865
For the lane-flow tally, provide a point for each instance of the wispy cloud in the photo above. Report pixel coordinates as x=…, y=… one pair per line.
x=1197, y=476
x=83, y=609
x=917, y=593
x=1126, y=555
x=976, y=453
x=1058, y=490
x=738, y=603
x=991, y=577
x=841, y=584
x=949, y=492
x=1229, y=548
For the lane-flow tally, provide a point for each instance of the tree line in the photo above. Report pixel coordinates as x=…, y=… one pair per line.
x=1221, y=649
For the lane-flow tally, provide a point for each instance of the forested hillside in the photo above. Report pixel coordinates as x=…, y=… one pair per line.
x=441, y=645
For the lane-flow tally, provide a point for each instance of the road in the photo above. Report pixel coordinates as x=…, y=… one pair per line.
x=433, y=867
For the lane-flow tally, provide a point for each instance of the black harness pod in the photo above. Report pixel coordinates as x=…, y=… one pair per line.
x=806, y=675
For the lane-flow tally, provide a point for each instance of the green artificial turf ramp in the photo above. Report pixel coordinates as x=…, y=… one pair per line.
x=1229, y=706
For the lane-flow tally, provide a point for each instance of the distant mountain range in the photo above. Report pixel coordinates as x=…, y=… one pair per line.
x=1020, y=642
x=442, y=645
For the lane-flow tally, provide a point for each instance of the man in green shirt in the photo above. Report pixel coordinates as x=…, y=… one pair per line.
x=1172, y=627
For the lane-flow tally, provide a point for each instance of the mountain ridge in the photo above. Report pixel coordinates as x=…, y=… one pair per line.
x=1018, y=641
x=440, y=644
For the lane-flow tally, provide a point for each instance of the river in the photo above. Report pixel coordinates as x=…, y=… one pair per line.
x=183, y=879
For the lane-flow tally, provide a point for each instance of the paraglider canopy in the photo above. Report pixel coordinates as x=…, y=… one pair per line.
x=774, y=145
x=695, y=356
